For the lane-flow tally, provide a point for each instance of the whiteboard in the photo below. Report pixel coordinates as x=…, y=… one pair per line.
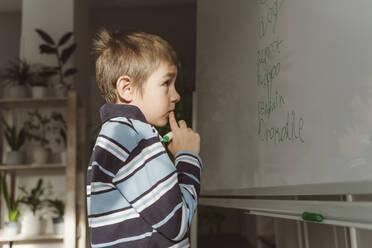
x=284, y=92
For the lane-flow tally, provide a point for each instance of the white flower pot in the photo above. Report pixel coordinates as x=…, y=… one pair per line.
x=10, y=228
x=40, y=155
x=15, y=157
x=58, y=225
x=60, y=90
x=30, y=225
x=16, y=91
x=64, y=157
x=39, y=91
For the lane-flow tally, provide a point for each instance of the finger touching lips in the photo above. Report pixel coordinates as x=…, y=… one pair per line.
x=172, y=121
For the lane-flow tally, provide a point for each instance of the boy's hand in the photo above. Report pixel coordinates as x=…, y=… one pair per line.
x=184, y=138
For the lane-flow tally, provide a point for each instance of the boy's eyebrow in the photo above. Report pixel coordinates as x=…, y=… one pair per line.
x=170, y=75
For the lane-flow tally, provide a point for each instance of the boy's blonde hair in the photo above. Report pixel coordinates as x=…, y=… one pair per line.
x=135, y=54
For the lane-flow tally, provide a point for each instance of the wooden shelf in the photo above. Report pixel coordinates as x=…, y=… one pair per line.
x=24, y=167
x=22, y=238
x=33, y=103
x=69, y=239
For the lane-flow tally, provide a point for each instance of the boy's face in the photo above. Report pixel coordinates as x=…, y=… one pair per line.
x=159, y=95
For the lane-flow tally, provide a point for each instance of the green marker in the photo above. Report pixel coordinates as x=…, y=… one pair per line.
x=168, y=137
x=312, y=217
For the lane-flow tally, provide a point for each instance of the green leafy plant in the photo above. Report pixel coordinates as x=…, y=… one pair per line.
x=38, y=126
x=62, y=51
x=10, y=201
x=15, y=138
x=32, y=198
x=18, y=72
x=57, y=206
x=41, y=76
x=58, y=117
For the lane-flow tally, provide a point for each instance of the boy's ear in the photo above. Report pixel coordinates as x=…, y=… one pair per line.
x=124, y=89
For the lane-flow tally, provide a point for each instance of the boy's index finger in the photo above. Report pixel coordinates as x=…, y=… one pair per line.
x=172, y=122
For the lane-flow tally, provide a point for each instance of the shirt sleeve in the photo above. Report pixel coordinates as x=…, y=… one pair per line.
x=163, y=194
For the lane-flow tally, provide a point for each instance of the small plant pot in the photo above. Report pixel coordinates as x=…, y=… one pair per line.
x=58, y=225
x=40, y=155
x=11, y=228
x=39, y=91
x=64, y=157
x=60, y=90
x=15, y=157
x=16, y=91
x=30, y=225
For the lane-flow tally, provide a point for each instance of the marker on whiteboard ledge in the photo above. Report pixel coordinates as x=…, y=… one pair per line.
x=168, y=137
x=312, y=217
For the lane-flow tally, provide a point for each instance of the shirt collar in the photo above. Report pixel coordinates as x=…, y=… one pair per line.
x=110, y=110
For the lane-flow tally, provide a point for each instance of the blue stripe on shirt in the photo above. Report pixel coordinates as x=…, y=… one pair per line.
x=147, y=177
x=142, y=236
x=121, y=133
x=107, y=202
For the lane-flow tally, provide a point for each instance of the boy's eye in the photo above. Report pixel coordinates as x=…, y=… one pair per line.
x=167, y=83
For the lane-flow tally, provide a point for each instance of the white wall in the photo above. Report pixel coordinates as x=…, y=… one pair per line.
x=53, y=16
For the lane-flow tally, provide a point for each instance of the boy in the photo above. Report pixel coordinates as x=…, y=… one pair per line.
x=136, y=196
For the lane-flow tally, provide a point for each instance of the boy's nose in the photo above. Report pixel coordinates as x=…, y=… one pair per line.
x=175, y=97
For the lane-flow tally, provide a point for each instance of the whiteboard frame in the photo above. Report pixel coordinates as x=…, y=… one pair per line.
x=343, y=188
x=340, y=213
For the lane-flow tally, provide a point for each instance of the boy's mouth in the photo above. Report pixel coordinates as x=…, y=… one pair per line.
x=168, y=113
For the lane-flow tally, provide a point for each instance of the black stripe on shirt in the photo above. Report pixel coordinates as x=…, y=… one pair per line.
x=183, y=166
x=142, y=144
x=107, y=160
x=185, y=179
x=97, y=175
x=103, y=191
x=121, y=230
x=173, y=225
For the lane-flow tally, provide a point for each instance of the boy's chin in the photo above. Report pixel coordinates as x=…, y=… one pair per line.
x=160, y=123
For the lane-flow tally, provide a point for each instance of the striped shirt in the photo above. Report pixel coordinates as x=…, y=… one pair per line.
x=136, y=196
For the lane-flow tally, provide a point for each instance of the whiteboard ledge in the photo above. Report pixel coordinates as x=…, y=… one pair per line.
x=326, y=222
x=344, y=188
x=351, y=214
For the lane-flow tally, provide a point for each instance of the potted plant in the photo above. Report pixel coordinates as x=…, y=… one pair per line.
x=39, y=84
x=32, y=199
x=12, y=204
x=15, y=78
x=15, y=140
x=63, y=52
x=58, y=117
x=37, y=126
x=58, y=208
